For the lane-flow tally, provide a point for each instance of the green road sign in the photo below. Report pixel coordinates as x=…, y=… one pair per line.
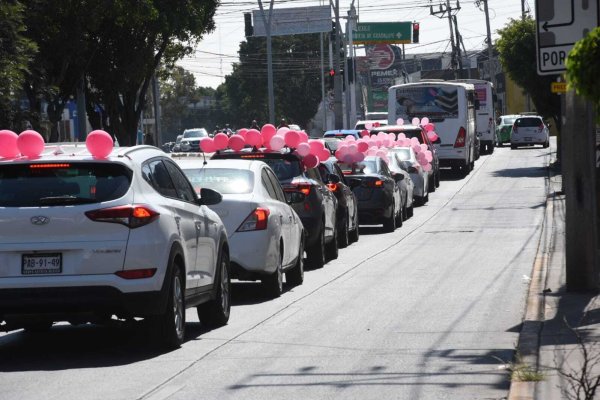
x=382, y=32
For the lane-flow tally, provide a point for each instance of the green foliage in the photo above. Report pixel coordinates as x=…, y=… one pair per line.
x=296, y=79
x=516, y=48
x=15, y=54
x=583, y=68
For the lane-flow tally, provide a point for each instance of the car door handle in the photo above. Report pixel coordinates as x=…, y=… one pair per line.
x=290, y=218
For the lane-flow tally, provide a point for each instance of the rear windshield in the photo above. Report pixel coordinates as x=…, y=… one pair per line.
x=508, y=121
x=403, y=154
x=364, y=167
x=223, y=180
x=285, y=170
x=528, y=122
x=62, y=184
x=433, y=101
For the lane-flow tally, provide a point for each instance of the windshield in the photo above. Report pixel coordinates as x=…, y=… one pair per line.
x=508, y=121
x=45, y=184
x=403, y=154
x=223, y=180
x=359, y=168
x=432, y=101
x=195, y=133
x=528, y=122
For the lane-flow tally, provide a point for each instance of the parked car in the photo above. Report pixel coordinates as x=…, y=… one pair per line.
x=86, y=238
x=406, y=159
x=504, y=126
x=191, y=139
x=342, y=133
x=318, y=210
x=378, y=195
x=177, y=146
x=265, y=234
x=418, y=132
x=347, y=207
x=528, y=131
x=406, y=184
x=374, y=123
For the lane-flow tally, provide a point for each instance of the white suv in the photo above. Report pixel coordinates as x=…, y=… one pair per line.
x=83, y=239
x=529, y=130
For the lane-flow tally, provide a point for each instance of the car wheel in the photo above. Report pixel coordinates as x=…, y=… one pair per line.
x=410, y=211
x=355, y=234
x=546, y=145
x=331, y=249
x=295, y=276
x=37, y=326
x=513, y=146
x=316, y=252
x=431, y=183
x=389, y=225
x=400, y=217
x=437, y=179
x=169, y=327
x=216, y=312
x=491, y=148
x=343, y=238
x=274, y=282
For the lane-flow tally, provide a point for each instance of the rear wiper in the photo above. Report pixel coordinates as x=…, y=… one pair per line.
x=66, y=199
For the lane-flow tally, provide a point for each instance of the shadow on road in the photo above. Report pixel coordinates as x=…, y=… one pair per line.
x=525, y=172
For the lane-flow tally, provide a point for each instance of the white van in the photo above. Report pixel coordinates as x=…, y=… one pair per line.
x=485, y=113
x=451, y=107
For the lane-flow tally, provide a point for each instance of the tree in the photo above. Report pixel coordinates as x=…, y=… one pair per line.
x=136, y=37
x=516, y=47
x=16, y=52
x=583, y=68
x=296, y=79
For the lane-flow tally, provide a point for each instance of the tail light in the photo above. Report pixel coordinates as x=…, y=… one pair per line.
x=332, y=186
x=132, y=216
x=461, y=138
x=378, y=183
x=515, y=130
x=256, y=221
x=136, y=273
x=302, y=188
x=541, y=127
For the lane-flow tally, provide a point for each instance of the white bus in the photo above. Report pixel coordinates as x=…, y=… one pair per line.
x=450, y=106
x=485, y=113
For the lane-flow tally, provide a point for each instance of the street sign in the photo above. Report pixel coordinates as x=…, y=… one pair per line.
x=293, y=21
x=382, y=32
x=559, y=87
x=561, y=23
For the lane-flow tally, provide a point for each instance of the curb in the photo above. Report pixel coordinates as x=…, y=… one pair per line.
x=529, y=337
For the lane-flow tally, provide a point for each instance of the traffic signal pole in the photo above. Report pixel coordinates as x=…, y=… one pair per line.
x=337, y=79
x=267, y=22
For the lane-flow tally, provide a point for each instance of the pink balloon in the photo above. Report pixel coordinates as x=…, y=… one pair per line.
x=352, y=149
x=423, y=147
x=401, y=136
x=429, y=127
x=281, y=131
x=424, y=121
x=358, y=157
x=400, y=121
x=428, y=156
x=303, y=137
x=303, y=149
x=414, y=140
x=316, y=146
x=348, y=158
x=242, y=132
x=268, y=129
x=362, y=146
x=415, y=121
x=221, y=141
x=372, y=151
x=30, y=143
x=364, y=133
x=99, y=143
x=8, y=144
x=380, y=153
x=427, y=167
x=236, y=142
x=416, y=148
x=432, y=136
x=310, y=161
x=324, y=155
x=207, y=145
x=253, y=137
x=292, y=138
x=350, y=138
x=369, y=125
x=277, y=142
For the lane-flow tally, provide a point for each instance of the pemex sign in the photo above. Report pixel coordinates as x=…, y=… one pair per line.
x=382, y=33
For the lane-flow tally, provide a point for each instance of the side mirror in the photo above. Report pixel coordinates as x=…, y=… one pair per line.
x=549, y=126
x=208, y=197
x=333, y=178
x=398, y=177
x=295, y=197
x=412, y=170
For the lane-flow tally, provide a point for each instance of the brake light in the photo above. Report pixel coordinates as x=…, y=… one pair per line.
x=132, y=216
x=302, y=188
x=256, y=221
x=53, y=165
x=461, y=138
x=332, y=186
x=136, y=273
x=541, y=126
x=515, y=128
x=253, y=156
x=376, y=183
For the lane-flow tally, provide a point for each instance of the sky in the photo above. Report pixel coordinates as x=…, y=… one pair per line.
x=215, y=54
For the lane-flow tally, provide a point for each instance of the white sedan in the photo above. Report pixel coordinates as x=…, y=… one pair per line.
x=407, y=157
x=265, y=234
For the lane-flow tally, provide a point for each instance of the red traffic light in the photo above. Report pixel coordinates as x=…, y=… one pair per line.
x=332, y=72
x=416, y=26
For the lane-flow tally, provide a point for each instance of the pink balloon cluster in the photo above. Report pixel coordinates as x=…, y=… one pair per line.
x=28, y=143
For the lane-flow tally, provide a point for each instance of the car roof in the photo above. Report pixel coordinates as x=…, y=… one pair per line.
x=191, y=162
x=256, y=155
x=393, y=128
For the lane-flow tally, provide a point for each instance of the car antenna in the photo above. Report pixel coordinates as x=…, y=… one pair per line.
x=204, y=157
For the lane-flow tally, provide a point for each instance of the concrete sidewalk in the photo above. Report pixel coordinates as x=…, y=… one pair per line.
x=547, y=343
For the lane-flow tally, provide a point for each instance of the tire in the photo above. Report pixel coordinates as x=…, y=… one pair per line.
x=316, y=252
x=389, y=225
x=491, y=148
x=343, y=239
x=426, y=198
x=331, y=248
x=355, y=234
x=37, y=327
x=295, y=276
x=400, y=217
x=431, y=183
x=546, y=145
x=273, y=283
x=410, y=211
x=215, y=313
x=513, y=146
x=169, y=327
x=437, y=179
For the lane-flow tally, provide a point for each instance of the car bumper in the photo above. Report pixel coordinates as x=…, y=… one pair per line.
x=252, y=253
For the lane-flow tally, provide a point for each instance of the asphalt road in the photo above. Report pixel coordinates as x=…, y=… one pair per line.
x=431, y=311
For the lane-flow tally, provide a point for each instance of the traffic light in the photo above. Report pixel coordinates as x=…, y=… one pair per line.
x=330, y=77
x=415, y=35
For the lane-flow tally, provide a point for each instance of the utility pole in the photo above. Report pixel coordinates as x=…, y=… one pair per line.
x=352, y=88
x=458, y=52
x=156, y=101
x=522, y=9
x=443, y=10
x=491, y=69
x=267, y=22
x=81, y=114
x=337, y=79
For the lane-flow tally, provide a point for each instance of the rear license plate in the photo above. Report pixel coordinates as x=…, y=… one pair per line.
x=528, y=139
x=41, y=263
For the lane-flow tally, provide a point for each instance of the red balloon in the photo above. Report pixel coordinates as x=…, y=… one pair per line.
x=310, y=161
x=362, y=147
x=364, y=133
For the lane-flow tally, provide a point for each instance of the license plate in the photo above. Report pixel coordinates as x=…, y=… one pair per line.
x=528, y=139
x=41, y=263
